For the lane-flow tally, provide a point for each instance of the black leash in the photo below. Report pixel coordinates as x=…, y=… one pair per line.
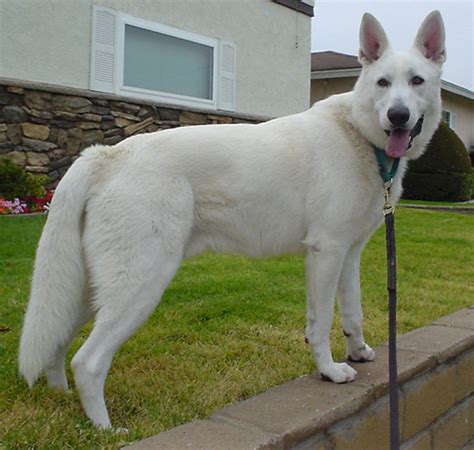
x=392, y=318
x=388, y=211
x=388, y=174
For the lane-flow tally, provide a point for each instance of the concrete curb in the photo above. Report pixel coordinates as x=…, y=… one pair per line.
x=306, y=413
x=456, y=209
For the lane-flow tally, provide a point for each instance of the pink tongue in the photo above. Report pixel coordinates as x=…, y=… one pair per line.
x=397, y=143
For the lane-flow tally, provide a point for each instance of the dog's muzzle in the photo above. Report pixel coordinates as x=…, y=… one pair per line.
x=400, y=140
x=416, y=130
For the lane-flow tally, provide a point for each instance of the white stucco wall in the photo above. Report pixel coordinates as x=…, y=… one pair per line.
x=49, y=41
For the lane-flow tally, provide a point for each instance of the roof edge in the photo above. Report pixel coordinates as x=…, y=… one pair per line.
x=456, y=89
x=302, y=6
x=335, y=73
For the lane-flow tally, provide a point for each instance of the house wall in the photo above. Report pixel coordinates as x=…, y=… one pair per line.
x=43, y=128
x=49, y=41
x=323, y=88
x=463, y=109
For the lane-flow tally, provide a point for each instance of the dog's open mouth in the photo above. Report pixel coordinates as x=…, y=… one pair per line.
x=400, y=139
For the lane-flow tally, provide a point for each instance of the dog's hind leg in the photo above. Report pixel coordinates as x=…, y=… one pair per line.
x=133, y=253
x=350, y=307
x=115, y=323
x=56, y=372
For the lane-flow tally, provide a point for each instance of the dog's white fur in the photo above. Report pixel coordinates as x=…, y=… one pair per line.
x=123, y=217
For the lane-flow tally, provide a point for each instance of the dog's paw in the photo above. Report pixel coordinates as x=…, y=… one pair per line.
x=59, y=387
x=338, y=373
x=114, y=430
x=364, y=354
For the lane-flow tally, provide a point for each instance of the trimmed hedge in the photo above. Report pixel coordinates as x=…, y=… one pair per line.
x=443, y=172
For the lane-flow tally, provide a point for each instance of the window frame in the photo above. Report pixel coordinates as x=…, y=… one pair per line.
x=148, y=94
x=450, y=116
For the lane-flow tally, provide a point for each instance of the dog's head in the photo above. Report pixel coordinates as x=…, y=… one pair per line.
x=397, y=97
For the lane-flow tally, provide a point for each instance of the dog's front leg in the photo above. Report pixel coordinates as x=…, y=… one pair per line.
x=323, y=268
x=350, y=307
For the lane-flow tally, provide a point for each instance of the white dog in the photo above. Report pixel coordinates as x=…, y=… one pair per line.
x=124, y=217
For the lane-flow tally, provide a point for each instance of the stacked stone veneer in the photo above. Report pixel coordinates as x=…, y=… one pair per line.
x=43, y=128
x=436, y=379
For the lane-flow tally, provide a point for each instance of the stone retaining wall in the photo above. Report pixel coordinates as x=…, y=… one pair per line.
x=44, y=127
x=436, y=374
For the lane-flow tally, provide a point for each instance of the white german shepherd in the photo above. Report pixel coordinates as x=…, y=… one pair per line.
x=124, y=217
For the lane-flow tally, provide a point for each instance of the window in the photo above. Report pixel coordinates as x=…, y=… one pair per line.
x=180, y=67
x=137, y=58
x=448, y=118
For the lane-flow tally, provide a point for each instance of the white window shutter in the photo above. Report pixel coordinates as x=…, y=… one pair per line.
x=227, y=65
x=452, y=122
x=103, y=49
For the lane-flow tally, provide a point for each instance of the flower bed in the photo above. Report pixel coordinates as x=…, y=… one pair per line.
x=22, y=192
x=27, y=204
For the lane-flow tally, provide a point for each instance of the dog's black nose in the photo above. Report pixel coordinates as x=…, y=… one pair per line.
x=398, y=115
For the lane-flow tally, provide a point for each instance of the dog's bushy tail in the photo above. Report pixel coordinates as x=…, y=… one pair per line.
x=59, y=274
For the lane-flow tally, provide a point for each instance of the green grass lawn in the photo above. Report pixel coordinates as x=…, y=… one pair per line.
x=228, y=328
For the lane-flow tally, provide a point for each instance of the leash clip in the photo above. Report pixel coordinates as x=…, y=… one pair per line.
x=387, y=207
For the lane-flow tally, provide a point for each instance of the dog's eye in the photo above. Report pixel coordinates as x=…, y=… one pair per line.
x=417, y=81
x=383, y=82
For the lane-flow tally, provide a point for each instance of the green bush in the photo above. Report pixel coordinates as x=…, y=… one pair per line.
x=35, y=184
x=16, y=183
x=444, y=171
x=12, y=180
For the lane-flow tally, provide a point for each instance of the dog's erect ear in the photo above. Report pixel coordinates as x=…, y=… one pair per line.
x=373, y=40
x=430, y=38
